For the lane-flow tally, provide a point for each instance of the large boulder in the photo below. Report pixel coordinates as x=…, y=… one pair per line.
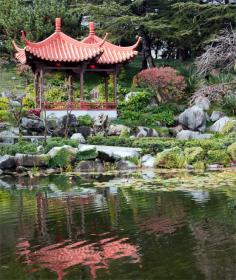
x=146, y=132
x=216, y=115
x=148, y=161
x=100, y=124
x=171, y=158
x=78, y=137
x=203, y=103
x=118, y=129
x=189, y=134
x=219, y=125
x=126, y=165
x=7, y=137
x=68, y=122
x=193, y=118
x=86, y=131
x=27, y=160
x=32, y=124
x=90, y=166
x=111, y=153
x=7, y=162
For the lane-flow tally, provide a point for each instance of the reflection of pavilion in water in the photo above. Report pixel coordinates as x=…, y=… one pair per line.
x=66, y=254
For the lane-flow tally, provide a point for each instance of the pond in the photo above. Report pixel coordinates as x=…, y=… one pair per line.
x=163, y=225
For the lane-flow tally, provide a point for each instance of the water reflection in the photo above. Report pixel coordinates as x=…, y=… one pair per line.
x=117, y=228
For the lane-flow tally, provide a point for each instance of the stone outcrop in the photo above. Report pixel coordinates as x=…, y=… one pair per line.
x=148, y=161
x=78, y=137
x=7, y=162
x=32, y=124
x=146, y=132
x=219, y=125
x=118, y=129
x=189, y=134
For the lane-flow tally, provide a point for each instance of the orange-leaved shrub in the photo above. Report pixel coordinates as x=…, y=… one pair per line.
x=165, y=82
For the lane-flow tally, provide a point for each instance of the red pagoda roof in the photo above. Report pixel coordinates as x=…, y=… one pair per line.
x=59, y=47
x=112, y=54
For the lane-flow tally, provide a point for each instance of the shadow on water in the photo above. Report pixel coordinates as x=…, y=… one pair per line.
x=146, y=225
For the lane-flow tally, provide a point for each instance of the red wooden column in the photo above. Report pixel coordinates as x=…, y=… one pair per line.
x=36, y=88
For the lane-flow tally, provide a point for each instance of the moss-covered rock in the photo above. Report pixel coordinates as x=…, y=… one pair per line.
x=230, y=126
x=171, y=158
x=86, y=154
x=194, y=154
x=218, y=156
x=232, y=151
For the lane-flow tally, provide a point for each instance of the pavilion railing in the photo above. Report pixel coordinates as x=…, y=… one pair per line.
x=80, y=105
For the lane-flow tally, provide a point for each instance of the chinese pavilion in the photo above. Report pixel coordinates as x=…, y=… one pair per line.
x=62, y=53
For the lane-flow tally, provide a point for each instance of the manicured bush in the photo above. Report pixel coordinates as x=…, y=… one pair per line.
x=110, y=141
x=194, y=154
x=59, y=142
x=165, y=82
x=21, y=147
x=85, y=120
x=61, y=159
x=232, y=151
x=171, y=158
x=218, y=156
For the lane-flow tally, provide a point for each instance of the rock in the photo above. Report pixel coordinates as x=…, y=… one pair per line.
x=7, y=137
x=90, y=166
x=148, y=161
x=40, y=149
x=4, y=126
x=86, y=131
x=68, y=121
x=189, y=134
x=125, y=165
x=203, y=103
x=175, y=130
x=216, y=115
x=194, y=154
x=232, y=151
x=15, y=103
x=21, y=169
x=52, y=123
x=100, y=124
x=7, y=162
x=118, y=129
x=193, y=118
x=27, y=160
x=146, y=132
x=171, y=158
x=86, y=153
x=72, y=152
x=1, y=172
x=50, y=171
x=218, y=125
x=112, y=153
x=78, y=137
x=34, y=124
x=214, y=167
x=130, y=95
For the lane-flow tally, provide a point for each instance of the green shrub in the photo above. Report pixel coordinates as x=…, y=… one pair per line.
x=199, y=165
x=230, y=126
x=61, y=159
x=218, y=156
x=110, y=141
x=59, y=142
x=232, y=151
x=86, y=155
x=4, y=116
x=21, y=147
x=85, y=120
x=171, y=158
x=206, y=144
x=194, y=154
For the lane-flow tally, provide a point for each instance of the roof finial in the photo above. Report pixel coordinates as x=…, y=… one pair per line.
x=91, y=28
x=58, y=24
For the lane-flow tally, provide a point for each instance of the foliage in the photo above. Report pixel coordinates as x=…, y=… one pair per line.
x=59, y=142
x=61, y=159
x=110, y=141
x=86, y=155
x=171, y=158
x=165, y=82
x=218, y=156
x=85, y=120
x=21, y=147
x=194, y=154
x=136, y=102
x=55, y=94
x=230, y=126
x=232, y=151
x=228, y=103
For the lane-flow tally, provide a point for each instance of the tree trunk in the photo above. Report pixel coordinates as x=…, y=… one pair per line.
x=147, y=61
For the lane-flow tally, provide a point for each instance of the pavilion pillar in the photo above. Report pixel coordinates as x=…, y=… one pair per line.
x=115, y=85
x=36, y=88
x=41, y=90
x=70, y=88
x=106, y=78
x=82, y=85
